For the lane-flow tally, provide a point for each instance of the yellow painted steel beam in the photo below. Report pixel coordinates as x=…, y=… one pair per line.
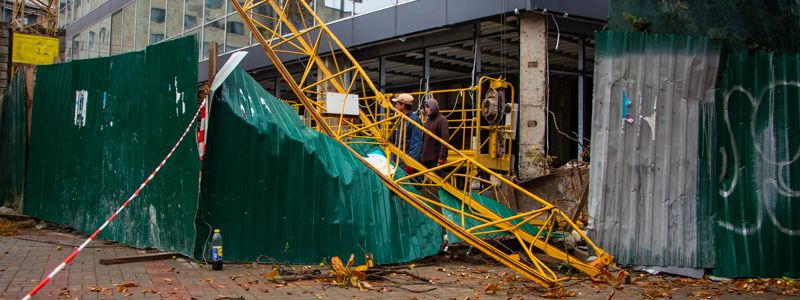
x=373, y=128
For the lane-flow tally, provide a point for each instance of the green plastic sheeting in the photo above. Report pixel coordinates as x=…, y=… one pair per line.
x=12, y=142
x=87, y=157
x=279, y=189
x=491, y=204
x=752, y=167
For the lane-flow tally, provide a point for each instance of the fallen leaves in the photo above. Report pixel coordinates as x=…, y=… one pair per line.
x=123, y=287
x=558, y=293
x=491, y=288
x=151, y=291
x=706, y=293
x=344, y=276
x=652, y=293
x=9, y=228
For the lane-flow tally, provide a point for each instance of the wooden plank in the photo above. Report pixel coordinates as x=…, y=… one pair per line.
x=137, y=258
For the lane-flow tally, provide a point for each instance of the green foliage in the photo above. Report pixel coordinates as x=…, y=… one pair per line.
x=638, y=24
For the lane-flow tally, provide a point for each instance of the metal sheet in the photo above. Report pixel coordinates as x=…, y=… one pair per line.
x=12, y=141
x=86, y=159
x=279, y=189
x=752, y=165
x=643, y=190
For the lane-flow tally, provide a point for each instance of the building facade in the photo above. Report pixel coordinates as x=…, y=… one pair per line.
x=544, y=48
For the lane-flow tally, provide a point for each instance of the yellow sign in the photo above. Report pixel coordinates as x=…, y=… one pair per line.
x=33, y=49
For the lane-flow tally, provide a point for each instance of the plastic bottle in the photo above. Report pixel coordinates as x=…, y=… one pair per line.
x=216, y=250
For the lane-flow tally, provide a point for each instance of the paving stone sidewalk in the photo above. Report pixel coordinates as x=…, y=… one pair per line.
x=27, y=257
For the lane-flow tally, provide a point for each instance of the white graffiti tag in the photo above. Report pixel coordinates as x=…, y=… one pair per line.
x=771, y=173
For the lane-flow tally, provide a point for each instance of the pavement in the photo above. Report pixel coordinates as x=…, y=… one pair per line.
x=29, y=254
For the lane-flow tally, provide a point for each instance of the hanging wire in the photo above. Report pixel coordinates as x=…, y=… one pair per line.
x=558, y=31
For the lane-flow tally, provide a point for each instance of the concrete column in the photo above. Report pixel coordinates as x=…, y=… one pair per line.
x=532, y=94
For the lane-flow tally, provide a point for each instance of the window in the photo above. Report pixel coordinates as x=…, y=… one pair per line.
x=157, y=15
x=91, y=39
x=189, y=21
x=193, y=14
x=214, y=10
x=76, y=46
x=156, y=37
x=102, y=35
x=218, y=24
x=214, y=4
x=235, y=27
x=237, y=36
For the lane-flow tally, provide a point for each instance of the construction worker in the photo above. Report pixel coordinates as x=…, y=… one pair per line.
x=409, y=138
x=433, y=152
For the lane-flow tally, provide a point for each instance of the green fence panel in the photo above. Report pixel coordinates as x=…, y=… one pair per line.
x=100, y=127
x=755, y=167
x=279, y=189
x=13, y=128
x=498, y=208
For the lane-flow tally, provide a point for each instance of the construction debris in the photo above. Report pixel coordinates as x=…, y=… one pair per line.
x=138, y=258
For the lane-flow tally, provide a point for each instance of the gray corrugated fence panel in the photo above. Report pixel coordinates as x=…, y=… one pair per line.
x=643, y=195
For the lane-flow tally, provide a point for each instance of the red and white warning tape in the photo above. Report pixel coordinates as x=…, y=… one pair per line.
x=133, y=196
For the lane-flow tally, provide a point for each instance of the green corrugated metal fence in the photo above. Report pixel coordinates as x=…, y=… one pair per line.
x=279, y=189
x=100, y=126
x=12, y=141
x=754, y=169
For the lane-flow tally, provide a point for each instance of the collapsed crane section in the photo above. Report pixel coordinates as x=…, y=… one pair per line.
x=342, y=102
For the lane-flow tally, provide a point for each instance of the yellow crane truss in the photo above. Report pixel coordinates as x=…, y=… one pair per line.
x=291, y=29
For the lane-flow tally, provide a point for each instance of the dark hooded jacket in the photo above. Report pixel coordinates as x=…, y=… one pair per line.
x=432, y=150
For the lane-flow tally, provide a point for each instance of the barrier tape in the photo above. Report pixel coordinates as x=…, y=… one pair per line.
x=113, y=216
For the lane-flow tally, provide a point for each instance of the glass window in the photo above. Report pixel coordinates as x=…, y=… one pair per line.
x=214, y=9
x=233, y=10
x=78, y=8
x=103, y=38
x=331, y=10
x=69, y=14
x=142, y=22
x=189, y=21
x=214, y=32
x=91, y=40
x=62, y=15
x=300, y=18
x=238, y=36
x=157, y=24
x=155, y=38
x=158, y=15
x=193, y=15
x=76, y=47
x=174, y=17
x=360, y=7
x=261, y=19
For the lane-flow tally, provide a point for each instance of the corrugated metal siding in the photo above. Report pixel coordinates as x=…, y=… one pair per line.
x=643, y=193
x=277, y=188
x=753, y=165
x=13, y=128
x=138, y=105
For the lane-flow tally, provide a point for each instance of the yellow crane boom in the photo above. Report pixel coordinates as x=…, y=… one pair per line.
x=290, y=28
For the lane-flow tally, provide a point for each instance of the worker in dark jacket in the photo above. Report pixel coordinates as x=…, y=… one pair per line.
x=409, y=137
x=433, y=152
